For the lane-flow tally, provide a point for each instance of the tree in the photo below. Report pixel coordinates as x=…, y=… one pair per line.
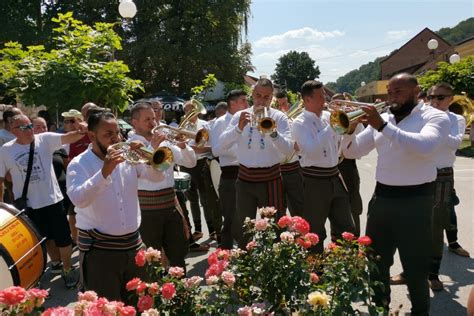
x=460, y=75
x=293, y=69
x=78, y=69
x=458, y=33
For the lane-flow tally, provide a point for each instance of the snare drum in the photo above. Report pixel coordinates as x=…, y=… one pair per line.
x=182, y=181
x=22, y=250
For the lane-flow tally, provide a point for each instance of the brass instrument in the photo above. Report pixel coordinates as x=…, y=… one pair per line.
x=186, y=127
x=296, y=109
x=161, y=158
x=464, y=106
x=262, y=121
x=344, y=113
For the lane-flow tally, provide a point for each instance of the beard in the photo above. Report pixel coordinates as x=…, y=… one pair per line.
x=402, y=110
x=102, y=148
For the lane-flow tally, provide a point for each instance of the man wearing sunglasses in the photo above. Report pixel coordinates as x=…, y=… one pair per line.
x=44, y=197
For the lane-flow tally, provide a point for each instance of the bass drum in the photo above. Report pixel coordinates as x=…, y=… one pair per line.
x=182, y=181
x=216, y=171
x=22, y=249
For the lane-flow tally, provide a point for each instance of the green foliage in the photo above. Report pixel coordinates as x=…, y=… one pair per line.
x=460, y=32
x=460, y=75
x=293, y=69
x=229, y=86
x=78, y=69
x=208, y=83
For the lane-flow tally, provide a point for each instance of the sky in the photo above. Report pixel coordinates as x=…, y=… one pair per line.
x=342, y=35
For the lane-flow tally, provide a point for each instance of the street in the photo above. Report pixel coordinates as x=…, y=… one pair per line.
x=457, y=273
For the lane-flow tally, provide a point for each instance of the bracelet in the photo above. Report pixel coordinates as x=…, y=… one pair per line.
x=382, y=127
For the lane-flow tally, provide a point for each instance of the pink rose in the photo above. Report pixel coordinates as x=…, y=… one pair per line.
x=127, y=311
x=284, y=221
x=58, y=311
x=228, y=278
x=140, y=258
x=252, y=244
x=261, y=224
x=364, y=240
x=332, y=246
x=348, y=236
x=144, y=302
x=133, y=284
x=245, y=311
x=152, y=255
x=91, y=296
x=153, y=289
x=212, y=259
x=216, y=269
x=313, y=238
x=12, y=295
x=193, y=281
x=141, y=287
x=287, y=237
x=268, y=211
x=300, y=225
x=303, y=243
x=211, y=280
x=168, y=291
x=313, y=277
x=223, y=254
x=176, y=272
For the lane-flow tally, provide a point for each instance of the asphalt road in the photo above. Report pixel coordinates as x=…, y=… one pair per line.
x=457, y=273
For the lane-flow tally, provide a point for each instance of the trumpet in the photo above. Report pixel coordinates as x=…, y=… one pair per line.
x=296, y=109
x=200, y=137
x=160, y=159
x=262, y=121
x=344, y=113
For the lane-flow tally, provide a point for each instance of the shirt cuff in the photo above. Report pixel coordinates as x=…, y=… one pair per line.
x=389, y=130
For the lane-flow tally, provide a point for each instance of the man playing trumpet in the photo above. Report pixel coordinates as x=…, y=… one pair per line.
x=162, y=225
x=261, y=144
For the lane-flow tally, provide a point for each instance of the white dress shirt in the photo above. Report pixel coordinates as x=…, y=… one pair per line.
x=228, y=155
x=255, y=150
x=316, y=139
x=110, y=204
x=446, y=153
x=183, y=157
x=405, y=150
x=200, y=124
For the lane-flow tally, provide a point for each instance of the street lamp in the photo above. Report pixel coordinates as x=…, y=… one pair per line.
x=454, y=58
x=362, y=83
x=432, y=44
x=127, y=8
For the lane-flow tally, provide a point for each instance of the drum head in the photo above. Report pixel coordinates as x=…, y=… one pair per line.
x=216, y=171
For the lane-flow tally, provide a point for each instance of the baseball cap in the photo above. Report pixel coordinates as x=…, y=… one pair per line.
x=72, y=113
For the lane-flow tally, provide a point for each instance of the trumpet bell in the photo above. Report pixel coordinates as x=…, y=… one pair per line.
x=266, y=125
x=344, y=113
x=201, y=138
x=161, y=159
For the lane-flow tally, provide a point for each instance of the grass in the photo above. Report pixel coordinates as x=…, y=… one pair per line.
x=465, y=150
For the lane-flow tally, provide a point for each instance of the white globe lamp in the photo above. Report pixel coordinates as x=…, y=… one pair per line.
x=127, y=9
x=454, y=58
x=432, y=44
x=362, y=83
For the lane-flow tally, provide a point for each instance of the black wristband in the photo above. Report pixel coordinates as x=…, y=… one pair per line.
x=382, y=127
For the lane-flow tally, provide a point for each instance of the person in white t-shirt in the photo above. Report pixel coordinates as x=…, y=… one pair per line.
x=44, y=197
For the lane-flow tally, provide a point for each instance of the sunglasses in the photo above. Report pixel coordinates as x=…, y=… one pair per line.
x=69, y=121
x=24, y=127
x=438, y=97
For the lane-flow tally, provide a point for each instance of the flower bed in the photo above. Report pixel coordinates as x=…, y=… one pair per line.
x=277, y=274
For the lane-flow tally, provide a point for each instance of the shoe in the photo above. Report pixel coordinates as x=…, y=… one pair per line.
x=436, y=285
x=198, y=247
x=398, y=279
x=213, y=236
x=460, y=251
x=197, y=236
x=56, y=268
x=71, y=278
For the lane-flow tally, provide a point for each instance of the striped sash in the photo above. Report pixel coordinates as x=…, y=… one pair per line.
x=92, y=238
x=318, y=172
x=290, y=167
x=272, y=177
x=156, y=200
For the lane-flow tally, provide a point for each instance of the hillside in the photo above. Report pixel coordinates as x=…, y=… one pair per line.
x=371, y=71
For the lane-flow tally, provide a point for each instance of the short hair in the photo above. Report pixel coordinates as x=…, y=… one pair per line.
x=264, y=82
x=409, y=78
x=17, y=117
x=308, y=87
x=34, y=118
x=95, y=118
x=9, y=113
x=221, y=106
x=281, y=94
x=445, y=86
x=234, y=95
x=137, y=107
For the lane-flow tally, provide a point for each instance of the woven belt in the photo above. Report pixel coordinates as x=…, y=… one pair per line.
x=92, y=238
x=156, y=200
x=318, y=172
x=290, y=167
x=259, y=174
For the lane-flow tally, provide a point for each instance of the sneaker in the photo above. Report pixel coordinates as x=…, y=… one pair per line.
x=197, y=236
x=436, y=285
x=71, y=278
x=398, y=279
x=56, y=268
x=460, y=251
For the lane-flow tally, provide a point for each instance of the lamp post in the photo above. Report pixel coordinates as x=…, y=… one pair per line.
x=127, y=9
x=432, y=46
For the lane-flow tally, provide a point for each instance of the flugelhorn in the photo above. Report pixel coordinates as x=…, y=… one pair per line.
x=160, y=158
x=463, y=105
x=344, y=113
x=262, y=121
x=200, y=137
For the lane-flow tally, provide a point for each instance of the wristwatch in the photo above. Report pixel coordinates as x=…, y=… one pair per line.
x=274, y=134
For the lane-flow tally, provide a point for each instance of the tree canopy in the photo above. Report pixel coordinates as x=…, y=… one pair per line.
x=77, y=69
x=169, y=45
x=460, y=32
x=293, y=69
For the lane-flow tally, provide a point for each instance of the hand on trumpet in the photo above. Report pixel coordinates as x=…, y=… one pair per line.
x=111, y=160
x=372, y=117
x=157, y=139
x=244, y=119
